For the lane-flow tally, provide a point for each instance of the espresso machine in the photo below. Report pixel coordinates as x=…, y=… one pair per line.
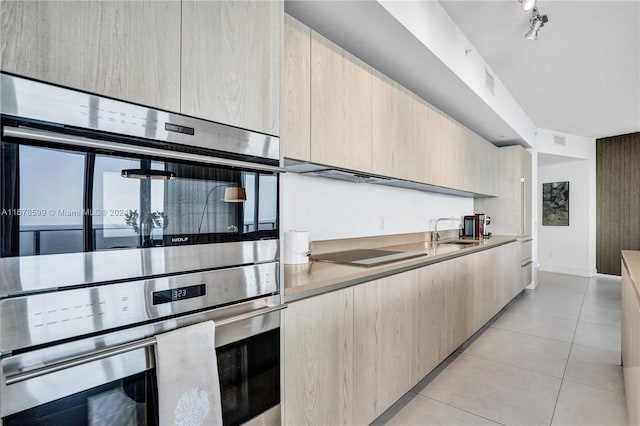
x=477, y=226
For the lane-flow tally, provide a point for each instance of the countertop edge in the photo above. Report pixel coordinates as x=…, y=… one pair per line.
x=382, y=274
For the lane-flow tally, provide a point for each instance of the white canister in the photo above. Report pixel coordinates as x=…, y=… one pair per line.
x=296, y=247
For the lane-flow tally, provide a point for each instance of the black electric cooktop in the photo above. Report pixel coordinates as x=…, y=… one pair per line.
x=366, y=257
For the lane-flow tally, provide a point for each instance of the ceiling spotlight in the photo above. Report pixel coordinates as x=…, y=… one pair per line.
x=537, y=21
x=527, y=5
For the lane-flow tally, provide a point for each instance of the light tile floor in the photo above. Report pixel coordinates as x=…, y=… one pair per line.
x=552, y=357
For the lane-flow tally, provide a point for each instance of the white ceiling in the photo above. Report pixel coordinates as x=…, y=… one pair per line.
x=582, y=75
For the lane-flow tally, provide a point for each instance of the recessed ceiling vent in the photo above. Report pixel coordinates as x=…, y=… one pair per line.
x=489, y=82
x=560, y=140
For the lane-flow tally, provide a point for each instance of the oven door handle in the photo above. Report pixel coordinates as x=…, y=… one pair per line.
x=61, y=138
x=120, y=349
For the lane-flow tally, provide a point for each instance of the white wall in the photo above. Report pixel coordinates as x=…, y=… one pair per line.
x=331, y=209
x=432, y=25
x=573, y=247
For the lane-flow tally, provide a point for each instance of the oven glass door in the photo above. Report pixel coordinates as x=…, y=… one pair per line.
x=56, y=200
x=131, y=401
x=249, y=374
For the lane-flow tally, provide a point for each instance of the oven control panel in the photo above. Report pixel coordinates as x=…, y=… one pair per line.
x=38, y=319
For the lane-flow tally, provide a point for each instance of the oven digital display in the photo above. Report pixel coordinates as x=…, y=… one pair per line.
x=179, y=129
x=175, y=294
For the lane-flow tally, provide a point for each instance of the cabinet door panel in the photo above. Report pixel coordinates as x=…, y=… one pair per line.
x=231, y=62
x=317, y=353
x=464, y=308
x=427, y=138
x=340, y=107
x=447, y=151
x=393, y=148
x=126, y=50
x=462, y=157
x=493, y=170
x=488, y=265
x=295, y=133
x=383, y=343
x=430, y=319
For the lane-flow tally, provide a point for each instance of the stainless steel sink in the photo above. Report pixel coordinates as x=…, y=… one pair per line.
x=460, y=242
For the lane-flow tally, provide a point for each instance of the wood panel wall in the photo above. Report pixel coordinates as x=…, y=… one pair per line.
x=618, y=199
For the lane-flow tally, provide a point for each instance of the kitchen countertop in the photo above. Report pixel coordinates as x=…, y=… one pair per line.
x=631, y=259
x=315, y=278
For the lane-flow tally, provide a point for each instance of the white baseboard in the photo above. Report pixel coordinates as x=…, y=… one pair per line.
x=581, y=272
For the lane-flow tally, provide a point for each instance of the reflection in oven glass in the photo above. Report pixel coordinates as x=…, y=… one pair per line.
x=249, y=372
x=131, y=401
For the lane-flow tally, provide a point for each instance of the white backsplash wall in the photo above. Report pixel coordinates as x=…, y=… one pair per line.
x=330, y=208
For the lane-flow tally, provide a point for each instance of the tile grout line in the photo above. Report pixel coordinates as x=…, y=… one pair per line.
x=555, y=406
x=461, y=409
x=532, y=335
x=513, y=366
x=594, y=387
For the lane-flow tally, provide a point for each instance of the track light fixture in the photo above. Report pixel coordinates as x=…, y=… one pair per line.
x=536, y=22
x=527, y=5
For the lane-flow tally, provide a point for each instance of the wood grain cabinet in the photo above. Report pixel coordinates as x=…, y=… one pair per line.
x=430, y=346
x=383, y=330
x=395, y=152
x=485, y=174
x=338, y=111
x=340, y=107
x=350, y=354
x=427, y=121
x=231, y=54
x=510, y=211
x=462, y=154
x=488, y=264
x=123, y=49
x=631, y=340
x=295, y=130
x=448, y=151
x=318, y=360
x=459, y=301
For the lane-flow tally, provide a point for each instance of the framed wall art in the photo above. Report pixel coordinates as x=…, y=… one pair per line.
x=555, y=204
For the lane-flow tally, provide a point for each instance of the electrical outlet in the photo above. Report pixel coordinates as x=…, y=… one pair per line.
x=381, y=224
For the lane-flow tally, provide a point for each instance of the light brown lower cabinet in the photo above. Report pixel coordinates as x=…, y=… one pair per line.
x=631, y=347
x=383, y=318
x=317, y=355
x=349, y=355
x=430, y=331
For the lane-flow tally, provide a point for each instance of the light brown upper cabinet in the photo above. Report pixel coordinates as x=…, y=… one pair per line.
x=393, y=136
x=295, y=130
x=448, y=166
x=485, y=167
x=427, y=134
x=462, y=157
x=340, y=107
x=510, y=211
x=488, y=173
x=340, y=112
x=231, y=62
x=123, y=49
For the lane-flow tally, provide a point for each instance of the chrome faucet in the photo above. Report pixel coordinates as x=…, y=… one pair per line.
x=436, y=236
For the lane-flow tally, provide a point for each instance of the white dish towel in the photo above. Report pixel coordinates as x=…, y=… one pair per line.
x=188, y=384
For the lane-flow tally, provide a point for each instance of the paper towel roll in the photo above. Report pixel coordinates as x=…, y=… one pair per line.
x=296, y=247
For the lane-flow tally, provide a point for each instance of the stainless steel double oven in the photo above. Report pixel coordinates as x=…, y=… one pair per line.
x=119, y=222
